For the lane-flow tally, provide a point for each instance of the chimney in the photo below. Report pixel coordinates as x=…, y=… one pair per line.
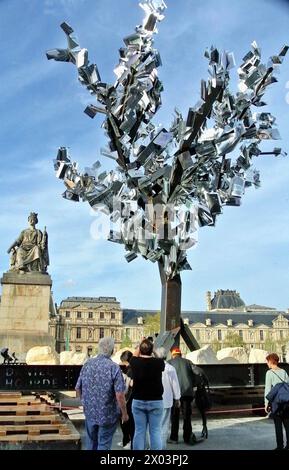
x=209, y=300
x=186, y=321
x=208, y=322
x=229, y=322
x=250, y=323
x=140, y=320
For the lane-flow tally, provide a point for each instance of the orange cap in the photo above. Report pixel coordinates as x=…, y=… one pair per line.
x=176, y=351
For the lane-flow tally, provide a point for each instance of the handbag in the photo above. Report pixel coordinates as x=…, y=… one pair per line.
x=283, y=407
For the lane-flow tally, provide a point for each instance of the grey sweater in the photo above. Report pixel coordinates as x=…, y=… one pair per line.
x=273, y=378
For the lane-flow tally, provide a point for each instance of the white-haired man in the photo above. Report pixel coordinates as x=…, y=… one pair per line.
x=171, y=395
x=101, y=387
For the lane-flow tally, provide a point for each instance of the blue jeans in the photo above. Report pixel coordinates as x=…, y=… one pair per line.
x=99, y=437
x=147, y=414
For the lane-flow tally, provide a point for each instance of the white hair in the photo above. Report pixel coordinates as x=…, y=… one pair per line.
x=161, y=353
x=106, y=346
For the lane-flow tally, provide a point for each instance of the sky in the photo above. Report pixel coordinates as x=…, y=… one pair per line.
x=41, y=109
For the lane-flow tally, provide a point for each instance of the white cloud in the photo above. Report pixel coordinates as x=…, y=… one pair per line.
x=68, y=283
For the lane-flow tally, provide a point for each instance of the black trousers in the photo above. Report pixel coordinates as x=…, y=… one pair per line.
x=128, y=427
x=279, y=422
x=186, y=407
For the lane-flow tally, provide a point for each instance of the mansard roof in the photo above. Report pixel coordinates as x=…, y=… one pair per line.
x=88, y=302
x=238, y=316
x=226, y=299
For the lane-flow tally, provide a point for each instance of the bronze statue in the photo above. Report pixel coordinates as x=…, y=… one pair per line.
x=30, y=251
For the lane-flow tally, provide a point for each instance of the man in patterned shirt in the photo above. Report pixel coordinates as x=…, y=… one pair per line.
x=101, y=387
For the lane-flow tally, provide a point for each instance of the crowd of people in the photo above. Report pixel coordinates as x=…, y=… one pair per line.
x=146, y=394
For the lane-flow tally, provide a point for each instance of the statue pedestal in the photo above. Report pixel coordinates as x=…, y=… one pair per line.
x=24, y=312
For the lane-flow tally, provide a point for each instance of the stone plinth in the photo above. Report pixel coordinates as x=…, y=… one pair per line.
x=24, y=311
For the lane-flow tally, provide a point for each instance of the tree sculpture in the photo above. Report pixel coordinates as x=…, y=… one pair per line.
x=167, y=182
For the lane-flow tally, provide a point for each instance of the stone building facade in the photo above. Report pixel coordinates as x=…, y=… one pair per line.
x=82, y=321
x=258, y=326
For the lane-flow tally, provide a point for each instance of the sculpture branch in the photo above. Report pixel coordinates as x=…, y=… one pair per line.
x=168, y=182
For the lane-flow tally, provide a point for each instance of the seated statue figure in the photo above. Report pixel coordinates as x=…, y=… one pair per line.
x=6, y=356
x=30, y=251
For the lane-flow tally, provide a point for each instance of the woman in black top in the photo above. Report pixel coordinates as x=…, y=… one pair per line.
x=147, y=391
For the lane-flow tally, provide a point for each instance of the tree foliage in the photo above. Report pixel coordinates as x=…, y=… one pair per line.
x=216, y=345
x=126, y=342
x=152, y=324
x=274, y=345
x=270, y=345
x=233, y=340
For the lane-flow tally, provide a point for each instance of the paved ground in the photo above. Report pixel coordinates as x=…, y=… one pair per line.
x=252, y=433
x=225, y=433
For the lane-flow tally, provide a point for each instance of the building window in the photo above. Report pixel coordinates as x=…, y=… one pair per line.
x=67, y=314
x=78, y=314
x=112, y=315
x=219, y=335
x=78, y=333
x=197, y=334
x=78, y=349
x=261, y=335
x=90, y=315
x=281, y=334
x=241, y=334
x=101, y=333
x=101, y=315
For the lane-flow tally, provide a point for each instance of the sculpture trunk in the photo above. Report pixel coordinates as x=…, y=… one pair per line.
x=171, y=301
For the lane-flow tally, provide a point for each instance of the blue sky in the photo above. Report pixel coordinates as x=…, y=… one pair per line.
x=41, y=106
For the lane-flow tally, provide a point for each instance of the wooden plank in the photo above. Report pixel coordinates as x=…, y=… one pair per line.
x=31, y=428
x=34, y=432
x=9, y=394
x=25, y=408
x=20, y=437
x=26, y=419
x=19, y=401
x=46, y=425
x=66, y=432
x=17, y=397
x=41, y=437
x=55, y=437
